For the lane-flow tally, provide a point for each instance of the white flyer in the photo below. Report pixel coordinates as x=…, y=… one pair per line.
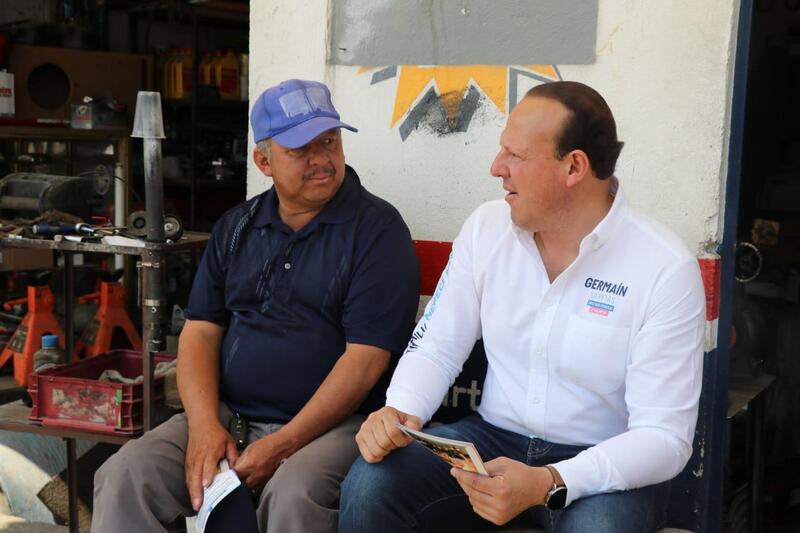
x=223, y=484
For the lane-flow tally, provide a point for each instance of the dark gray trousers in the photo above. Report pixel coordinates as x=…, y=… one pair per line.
x=143, y=485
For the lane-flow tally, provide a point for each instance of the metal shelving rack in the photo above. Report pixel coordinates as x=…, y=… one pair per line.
x=14, y=416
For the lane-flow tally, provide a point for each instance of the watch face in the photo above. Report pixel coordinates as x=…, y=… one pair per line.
x=557, y=498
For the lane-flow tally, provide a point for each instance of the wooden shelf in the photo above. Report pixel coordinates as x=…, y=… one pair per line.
x=222, y=105
x=60, y=134
x=210, y=11
x=205, y=183
x=741, y=391
x=14, y=417
x=189, y=241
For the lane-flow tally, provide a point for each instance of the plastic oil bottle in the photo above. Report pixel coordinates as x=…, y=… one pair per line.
x=205, y=69
x=229, y=76
x=49, y=355
x=216, y=69
x=167, y=85
x=182, y=72
x=244, y=68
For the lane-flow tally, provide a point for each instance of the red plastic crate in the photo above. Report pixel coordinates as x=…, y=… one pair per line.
x=71, y=395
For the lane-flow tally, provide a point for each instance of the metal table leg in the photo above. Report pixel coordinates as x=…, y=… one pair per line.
x=69, y=303
x=72, y=485
x=153, y=324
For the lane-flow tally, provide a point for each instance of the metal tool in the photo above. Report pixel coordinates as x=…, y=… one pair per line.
x=173, y=227
x=137, y=226
x=48, y=230
x=28, y=195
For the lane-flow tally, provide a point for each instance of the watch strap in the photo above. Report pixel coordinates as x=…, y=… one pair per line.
x=556, y=498
x=558, y=481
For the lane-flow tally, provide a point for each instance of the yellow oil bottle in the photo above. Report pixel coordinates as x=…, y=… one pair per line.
x=229, y=76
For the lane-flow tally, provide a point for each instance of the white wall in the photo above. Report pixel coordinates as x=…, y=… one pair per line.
x=664, y=68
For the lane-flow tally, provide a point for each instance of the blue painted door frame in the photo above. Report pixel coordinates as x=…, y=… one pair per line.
x=696, y=501
x=719, y=363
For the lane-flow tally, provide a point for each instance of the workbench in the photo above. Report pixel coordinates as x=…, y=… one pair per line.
x=14, y=416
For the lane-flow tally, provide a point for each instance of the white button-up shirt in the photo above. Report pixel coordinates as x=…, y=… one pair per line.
x=609, y=355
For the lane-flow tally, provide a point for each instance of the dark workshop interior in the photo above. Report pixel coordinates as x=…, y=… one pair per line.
x=766, y=315
x=89, y=272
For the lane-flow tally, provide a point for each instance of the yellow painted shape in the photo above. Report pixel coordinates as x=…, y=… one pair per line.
x=451, y=84
x=411, y=81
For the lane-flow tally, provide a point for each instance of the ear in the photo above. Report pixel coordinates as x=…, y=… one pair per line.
x=262, y=162
x=579, y=167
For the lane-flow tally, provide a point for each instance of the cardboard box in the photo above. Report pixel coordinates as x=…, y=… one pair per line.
x=99, y=115
x=25, y=259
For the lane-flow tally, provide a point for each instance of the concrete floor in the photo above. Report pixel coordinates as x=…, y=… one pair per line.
x=13, y=524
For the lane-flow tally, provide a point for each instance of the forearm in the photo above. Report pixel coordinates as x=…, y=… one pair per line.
x=636, y=458
x=343, y=390
x=198, y=371
x=418, y=386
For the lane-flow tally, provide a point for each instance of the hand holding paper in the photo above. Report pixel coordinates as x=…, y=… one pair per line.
x=459, y=454
x=223, y=484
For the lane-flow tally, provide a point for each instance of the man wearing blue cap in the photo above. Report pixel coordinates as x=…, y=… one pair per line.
x=303, y=293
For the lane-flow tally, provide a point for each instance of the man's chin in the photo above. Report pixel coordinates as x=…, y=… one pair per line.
x=520, y=222
x=322, y=192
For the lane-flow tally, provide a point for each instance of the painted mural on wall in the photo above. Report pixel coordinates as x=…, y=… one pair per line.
x=451, y=56
x=443, y=99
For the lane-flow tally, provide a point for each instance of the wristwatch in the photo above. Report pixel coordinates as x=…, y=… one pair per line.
x=556, y=498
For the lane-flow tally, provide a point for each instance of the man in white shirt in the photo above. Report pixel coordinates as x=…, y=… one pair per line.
x=592, y=317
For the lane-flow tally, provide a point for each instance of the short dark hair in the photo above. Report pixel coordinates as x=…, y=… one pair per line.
x=590, y=126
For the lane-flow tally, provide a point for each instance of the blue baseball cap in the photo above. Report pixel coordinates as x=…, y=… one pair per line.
x=294, y=112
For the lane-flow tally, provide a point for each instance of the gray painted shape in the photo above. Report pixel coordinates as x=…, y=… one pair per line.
x=384, y=74
x=374, y=33
x=429, y=113
x=467, y=109
x=513, y=76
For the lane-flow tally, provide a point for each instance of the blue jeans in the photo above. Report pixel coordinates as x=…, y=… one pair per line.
x=412, y=490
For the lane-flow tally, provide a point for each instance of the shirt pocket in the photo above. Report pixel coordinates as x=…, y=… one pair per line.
x=594, y=355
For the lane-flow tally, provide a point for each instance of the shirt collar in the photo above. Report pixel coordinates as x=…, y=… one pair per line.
x=340, y=208
x=605, y=229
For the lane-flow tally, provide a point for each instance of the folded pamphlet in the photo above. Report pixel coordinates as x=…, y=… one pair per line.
x=223, y=484
x=457, y=453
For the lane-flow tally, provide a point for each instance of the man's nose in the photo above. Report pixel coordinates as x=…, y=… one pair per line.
x=498, y=168
x=317, y=155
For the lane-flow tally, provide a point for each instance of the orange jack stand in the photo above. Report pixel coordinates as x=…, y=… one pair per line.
x=97, y=336
x=27, y=339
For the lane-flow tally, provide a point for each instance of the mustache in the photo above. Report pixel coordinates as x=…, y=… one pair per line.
x=328, y=170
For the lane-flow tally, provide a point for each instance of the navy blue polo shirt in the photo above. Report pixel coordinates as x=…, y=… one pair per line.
x=291, y=300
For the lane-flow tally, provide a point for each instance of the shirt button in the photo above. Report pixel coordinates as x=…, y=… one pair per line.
x=538, y=351
x=287, y=266
x=536, y=400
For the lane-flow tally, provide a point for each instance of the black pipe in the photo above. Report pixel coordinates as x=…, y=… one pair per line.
x=153, y=190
